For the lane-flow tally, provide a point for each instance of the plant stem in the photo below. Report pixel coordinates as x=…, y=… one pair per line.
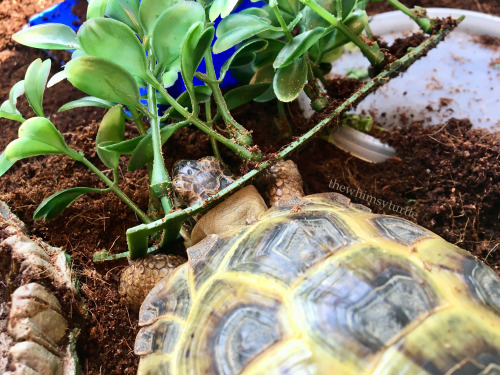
x=281, y=121
x=241, y=151
x=137, y=117
x=160, y=180
x=319, y=75
x=424, y=22
x=274, y=6
x=210, y=123
x=375, y=57
x=319, y=100
x=238, y=132
x=115, y=189
x=339, y=8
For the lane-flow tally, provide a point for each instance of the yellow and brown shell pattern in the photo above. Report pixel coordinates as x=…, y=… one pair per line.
x=329, y=288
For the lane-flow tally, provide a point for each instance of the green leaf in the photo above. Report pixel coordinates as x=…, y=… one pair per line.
x=34, y=84
x=298, y=46
x=244, y=55
x=5, y=164
x=150, y=10
x=258, y=12
x=56, y=78
x=96, y=8
x=113, y=41
x=189, y=62
x=171, y=28
x=125, y=147
x=88, y=101
x=111, y=131
x=8, y=109
x=289, y=81
x=77, y=53
x=54, y=205
x=236, y=28
x=42, y=130
x=126, y=11
x=291, y=7
x=53, y=36
x=169, y=77
x=15, y=92
x=269, y=54
x=143, y=153
x=265, y=74
x=221, y=8
x=103, y=79
x=193, y=47
x=243, y=94
x=8, y=113
x=24, y=148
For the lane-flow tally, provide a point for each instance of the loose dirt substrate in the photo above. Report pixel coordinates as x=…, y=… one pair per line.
x=448, y=175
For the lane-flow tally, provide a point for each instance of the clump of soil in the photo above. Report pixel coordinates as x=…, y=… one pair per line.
x=456, y=199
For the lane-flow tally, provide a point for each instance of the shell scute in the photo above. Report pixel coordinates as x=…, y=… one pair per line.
x=159, y=337
x=400, y=230
x=452, y=342
x=484, y=284
x=206, y=256
x=286, y=247
x=169, y=296
x=375, y=296
x=237, y=321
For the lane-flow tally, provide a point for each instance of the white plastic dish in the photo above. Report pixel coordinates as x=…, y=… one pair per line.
x=457, y=79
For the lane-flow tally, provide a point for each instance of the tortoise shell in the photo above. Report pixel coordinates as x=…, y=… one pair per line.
x=322, y=286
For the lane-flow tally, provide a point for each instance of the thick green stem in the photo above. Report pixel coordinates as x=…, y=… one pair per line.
x=274, y=6
x=238, y=132
x=424, y=22
x=375, y=57
x=241, y=151
x=115, y=189
x=210, y=123
x=160, y=180
x=319, y=75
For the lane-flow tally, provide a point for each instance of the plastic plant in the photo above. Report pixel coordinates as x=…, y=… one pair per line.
x=126, y=45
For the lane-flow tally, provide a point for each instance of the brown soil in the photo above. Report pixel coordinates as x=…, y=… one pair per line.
x=447, y=174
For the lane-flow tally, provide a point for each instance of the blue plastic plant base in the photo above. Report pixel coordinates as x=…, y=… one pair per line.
x=59, y=13
x=62, y=13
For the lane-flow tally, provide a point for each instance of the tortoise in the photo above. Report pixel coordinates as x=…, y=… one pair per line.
x=316, y=285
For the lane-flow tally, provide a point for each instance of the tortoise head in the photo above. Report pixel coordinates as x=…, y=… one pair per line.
x=196, y=180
